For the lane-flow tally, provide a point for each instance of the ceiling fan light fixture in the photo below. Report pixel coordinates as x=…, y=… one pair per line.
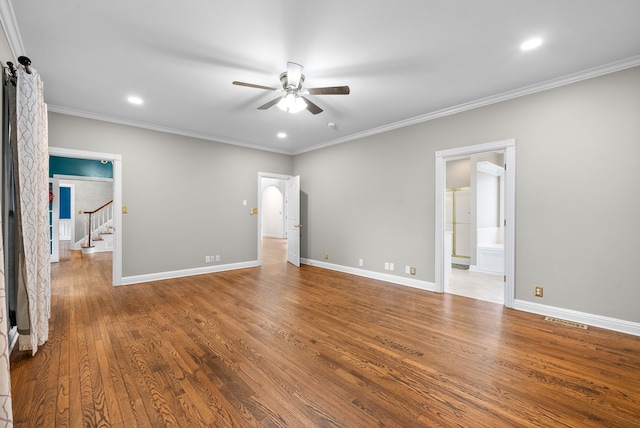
x=292, y=103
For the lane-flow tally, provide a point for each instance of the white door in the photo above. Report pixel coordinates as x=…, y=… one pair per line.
x=54, y=217
x=293, y=220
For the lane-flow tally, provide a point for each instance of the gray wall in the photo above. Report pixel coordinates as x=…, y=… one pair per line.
x=184, y=195
x=272, y=214
x=577, y=232
x=89, y=195
x=458, y=173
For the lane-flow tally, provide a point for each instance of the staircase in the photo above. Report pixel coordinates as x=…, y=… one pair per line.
x=99, y=226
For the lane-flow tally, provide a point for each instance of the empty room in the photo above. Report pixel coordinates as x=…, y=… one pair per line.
x=320, y=214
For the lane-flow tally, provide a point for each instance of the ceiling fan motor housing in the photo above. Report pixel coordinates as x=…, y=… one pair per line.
x=285, y=81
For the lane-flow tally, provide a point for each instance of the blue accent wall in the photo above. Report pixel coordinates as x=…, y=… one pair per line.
x=65, y=202
x=79, y=167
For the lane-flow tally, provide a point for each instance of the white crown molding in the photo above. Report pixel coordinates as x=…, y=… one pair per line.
x=504, y=96
x=8, y=20
x=136, y=279
x=516, y=93
x=600, y=321
x=158, y=128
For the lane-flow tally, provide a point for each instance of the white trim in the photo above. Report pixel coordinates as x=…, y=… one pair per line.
x=72, y=207
x=600, y=321
x=54, y=221
x=159, y=276
x=510, y=210
x=10, y=26
x=7, y=18
x=82, y=154
x=117, y=199
x=158, y=128
x=262, y=175
x=409, y=282
x=81, y=178
x=482, y=102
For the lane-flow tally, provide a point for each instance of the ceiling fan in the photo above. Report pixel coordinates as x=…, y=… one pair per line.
x=293, y=97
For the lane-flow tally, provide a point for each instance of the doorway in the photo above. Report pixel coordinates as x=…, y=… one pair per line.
x=86, y=193
x=116, y=160
x=272, y=218
x=278, y=221
x=490, y=262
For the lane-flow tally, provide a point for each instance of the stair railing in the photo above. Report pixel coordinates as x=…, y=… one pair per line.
x=100, y=217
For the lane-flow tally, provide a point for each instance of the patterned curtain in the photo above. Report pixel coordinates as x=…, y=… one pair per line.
x=34, y=288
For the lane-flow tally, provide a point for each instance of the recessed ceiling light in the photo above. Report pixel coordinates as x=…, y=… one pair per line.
x=282, y=135
x=135, y=100
x=531, y=44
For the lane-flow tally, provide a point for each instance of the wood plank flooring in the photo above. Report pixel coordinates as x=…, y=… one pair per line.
x=277, y=346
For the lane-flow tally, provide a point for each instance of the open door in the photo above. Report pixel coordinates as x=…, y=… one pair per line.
x=293, y=220
x=54, y=218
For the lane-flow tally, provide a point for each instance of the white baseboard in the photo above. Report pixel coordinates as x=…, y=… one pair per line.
x=608, y=323
x=614, y=324
x=135, y=279
x=460, y=260
x=409, y=282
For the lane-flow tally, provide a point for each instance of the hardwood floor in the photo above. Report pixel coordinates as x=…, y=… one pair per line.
x=279, y=346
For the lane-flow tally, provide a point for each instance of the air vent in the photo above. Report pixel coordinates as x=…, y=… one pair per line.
x=567, y=323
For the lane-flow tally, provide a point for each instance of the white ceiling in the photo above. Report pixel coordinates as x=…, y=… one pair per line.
x=404, y=61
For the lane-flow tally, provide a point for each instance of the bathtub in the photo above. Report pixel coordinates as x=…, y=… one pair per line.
x=491, y=258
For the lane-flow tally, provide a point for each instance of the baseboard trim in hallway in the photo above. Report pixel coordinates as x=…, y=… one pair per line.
x=136, y=279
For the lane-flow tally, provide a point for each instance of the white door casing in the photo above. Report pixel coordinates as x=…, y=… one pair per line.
x=54, y=218
x=509, y=207
x=116, y=159
x=293, y=220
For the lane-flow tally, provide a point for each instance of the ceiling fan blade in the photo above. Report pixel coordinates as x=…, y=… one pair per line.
x=270, y=104
x=331, y=90
x=312, y=107
x=294, y=73
x=251, y=85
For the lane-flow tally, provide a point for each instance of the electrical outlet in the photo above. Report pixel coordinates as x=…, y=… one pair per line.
x=386, y=265
x=390, y=266
x=360, y=262
x=413, y=270
x=207, y=259
x=407, y=269
x=538, y=291
x=326, y=256
x=217, y=258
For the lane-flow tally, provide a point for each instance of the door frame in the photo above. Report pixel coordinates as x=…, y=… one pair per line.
x=262, y=175
x=509, y=148
x=72, y=204
x=116, y=159
x=54, y=221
